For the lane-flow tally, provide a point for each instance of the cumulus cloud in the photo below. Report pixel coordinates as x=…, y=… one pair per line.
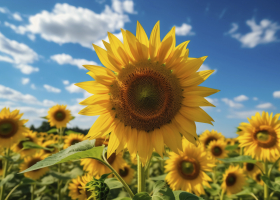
x=243, y=114
x=255, y=98
x=18, y=54
x=265, y=106
x=231, y=103
x=51, y=89
x=33, y=86
x=276, y=94
x=263, y=33
x=63, y=59
x=184, y=30
x=24, y=81
x=206, y=67
x=70, y=24
x=74, y=89
x=106, y=39
x=241, y=98
x=17, y=17
x=123, y=6
x=65, y=82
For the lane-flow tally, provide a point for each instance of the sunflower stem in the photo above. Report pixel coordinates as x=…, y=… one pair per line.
x=7, y=197
x=60, y=132
x=214, y=175
x=222, y=195
x=141, y=175
x=270, y=170
x=241, y=154
x=32, y=191
x=6, y=166
x=266, y=189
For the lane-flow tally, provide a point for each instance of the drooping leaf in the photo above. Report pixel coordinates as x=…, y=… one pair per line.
x=239, y=159
x=32, y=145
x=142, y=196
x=113, y=183
x=162, y=192
x=159, y=178
x=7, y=179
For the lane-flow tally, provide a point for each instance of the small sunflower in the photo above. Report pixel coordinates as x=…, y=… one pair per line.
x=216, y=149
x=186, y=170
x=1, y=167
x=59, y=116
x=50, y=145
x=29, y=136
x=206, y=137
x=148, y=93
x=11, y=127
x=30, y=161
x=261, y=137
x=251, y=168
x=72, y=139
x=126, y=173
x=233, y=180
x=257, y=177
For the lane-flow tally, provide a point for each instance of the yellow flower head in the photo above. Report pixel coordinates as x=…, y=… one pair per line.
x=72, y=139
x=233, y=180
x=30, y=161
x=257, y=177
x=216, y=149
x=251, y=168
x=59, y=116
x=50, y=145
x=186, y=170
x=126, y=173
x=11, y=127
x=207, y=136
x=1, y=167
x=261, y=137
x=147, y=94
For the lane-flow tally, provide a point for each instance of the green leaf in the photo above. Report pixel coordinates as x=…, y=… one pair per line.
x=239, y=159
x=159, y=178
x=182, y=195
x=45, y=117
x=104, y=176
x=84, y=149
x=142, y=196
x=32, y=145
x=272, y=185
x=72, y=118
x=48, y=180
x=68, y=175
x=69, y=132
x=53, y=130
x=7, y=179
x=113, y=183
x=214, y=190
x=162, y=192
x=231, y=147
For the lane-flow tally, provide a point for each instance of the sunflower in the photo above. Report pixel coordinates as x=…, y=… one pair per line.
x=206, y=137
x=59, y=116
x=257, y=177
x=186, y=170
x=228, y=141
x=147, y=94
x=96, y=168
x=1, y=167
x=11, y=127
x=216, y=149
x=29, y=136
x=126, y=173
x=72, y=139
x=30, y=161
x=261, y=137
x=251, y=168
x=50, y=145
x=233, y=180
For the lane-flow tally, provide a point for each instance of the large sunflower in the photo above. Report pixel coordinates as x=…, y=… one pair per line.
x=186, y=170
x=233, y=180
x=29, y=136
x=261, y=137
x=147, y=94
x=30, y=161
x=11, y=127
x=72, y=139
x=59, y=116
x=251, y=168
x=207, y=136
x=217, y=150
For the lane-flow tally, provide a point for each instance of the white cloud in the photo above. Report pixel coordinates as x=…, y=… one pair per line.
x=265, y=106
x=263, y=33
x=18, y=54
x=243, y=114
x=206, y=67
x=33, y=86
x=241, y=98
x=70, y=24
x=63, y=59
x=276, y=94
x=74, y=89
x=213, y=101
x=222, y=13
x=65, y=82
x=3, y=10
x=255, y=98
x=123, y=6
x=17, y=17
x=24, y=81
x=231, y=103
x=184, y=30
x=51, y=89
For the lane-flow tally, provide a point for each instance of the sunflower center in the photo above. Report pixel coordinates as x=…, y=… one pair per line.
x=217, y=151
x=111, y=159
x=266, y=138
x=189, y=169
x=263, y=136
x=146, y=96
x=49, y=147
x=210, y=139
x=8, y=129
x=1, y=165
x=20, y=144
x=33, y=162
x=258, y=177
x=249, y=166
x=59, y=116
x=75, y=141
x=123, y=172
x=231, y=179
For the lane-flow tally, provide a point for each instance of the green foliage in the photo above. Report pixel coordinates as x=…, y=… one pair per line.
x=182, y=195
x=239, y=159
x=142, y=196
x=275, y=186
x=162, y=192
x=231, y=147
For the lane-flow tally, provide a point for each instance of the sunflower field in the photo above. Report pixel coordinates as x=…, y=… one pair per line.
x=144, y=144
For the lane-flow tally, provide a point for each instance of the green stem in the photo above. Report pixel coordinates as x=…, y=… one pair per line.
x=241, y=154
x=266, y=189
x=117, y=175
x=32, y=191
x=274, y=164
x=141, y=175
x=222, y=195
x=214, y=175
x=6, y=166
x=271, y=195
x=60, y=132
x=7, y=197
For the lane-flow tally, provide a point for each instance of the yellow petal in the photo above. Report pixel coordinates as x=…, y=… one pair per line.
x=132, y=142
x=196, y=79
x=177, y=55
x=199, y=90
x=118, y=49
x=195, y=101
x=121, y=131
x=142, y=149
x=186, y=124
x=97, y=109
x=196, y=114
x=93, y=87
x=157, y=141
x=96, y=99
x=143, y=42
x=176, y=135
x=131, y=39
x=100, y=71
x=114, y=141
x=168, y=137
x=167, y=46
x=101, y=79
x=154, y=42
x=126, y=46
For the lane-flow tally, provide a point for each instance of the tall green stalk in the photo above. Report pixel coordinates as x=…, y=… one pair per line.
x=6, y=166
x=59, y=184
x=141, y=175
x=266, y=189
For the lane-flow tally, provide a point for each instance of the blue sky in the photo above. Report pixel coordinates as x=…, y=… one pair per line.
x=43, y=45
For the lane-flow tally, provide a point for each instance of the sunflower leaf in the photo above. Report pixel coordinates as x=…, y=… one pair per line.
x=238, y=159
x=68, y=175
x=113, y=183
x=162, y=192
x=142, y=196
x=159, y=178
x=275, y=186
x=69, y=132
x=32, y=145
x=231, y=147
x=182, y=195
x=53, y=130
x=7, y=179
x=84, y=149
x=214, y=190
